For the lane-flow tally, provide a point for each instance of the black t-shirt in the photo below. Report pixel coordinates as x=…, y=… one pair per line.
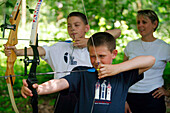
x=107, y=95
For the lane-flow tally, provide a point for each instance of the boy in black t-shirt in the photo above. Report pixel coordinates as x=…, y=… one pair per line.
x=103, y=88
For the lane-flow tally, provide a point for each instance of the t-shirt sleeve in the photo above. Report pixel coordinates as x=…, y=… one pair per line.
x=127, y=49
x=132, y=76
x=168, y=52
x=164, y=51
x=46, y=51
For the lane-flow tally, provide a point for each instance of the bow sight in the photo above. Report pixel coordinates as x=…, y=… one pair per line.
x=7, y=26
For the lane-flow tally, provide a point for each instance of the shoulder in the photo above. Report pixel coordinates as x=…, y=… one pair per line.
x=58, y=47
x=62, y=44
x=162, y=42
x=84, y=68
x=79, y=73
x=132, y=76
x=132, y=73
x=165, y=46
x=132, y=44
x=134, y=41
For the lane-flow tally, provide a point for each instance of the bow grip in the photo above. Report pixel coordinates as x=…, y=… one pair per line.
x=34, y=99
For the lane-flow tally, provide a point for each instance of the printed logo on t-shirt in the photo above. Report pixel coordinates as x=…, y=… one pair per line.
x=103, y=92
x=68, y=58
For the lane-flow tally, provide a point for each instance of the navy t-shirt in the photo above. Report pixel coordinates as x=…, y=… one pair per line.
x=107, y=95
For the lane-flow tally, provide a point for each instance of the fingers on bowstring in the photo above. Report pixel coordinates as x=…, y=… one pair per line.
x=35, y=86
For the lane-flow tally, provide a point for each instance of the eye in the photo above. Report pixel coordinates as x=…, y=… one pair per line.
x=77, y=25
x=101, y=56
x=138, y=22
x=92, y=56
x=144, y=22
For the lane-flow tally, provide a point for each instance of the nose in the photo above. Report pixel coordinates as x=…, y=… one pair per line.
x=97, y=60
x=72, y=28
x=139, y=24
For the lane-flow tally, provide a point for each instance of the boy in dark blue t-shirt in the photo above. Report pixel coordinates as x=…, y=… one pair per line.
x=103, y=90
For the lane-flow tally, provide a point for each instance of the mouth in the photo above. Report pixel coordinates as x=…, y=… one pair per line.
x=73, y=34
x=141, y=30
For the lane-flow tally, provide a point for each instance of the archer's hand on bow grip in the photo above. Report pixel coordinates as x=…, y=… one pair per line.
x=8, y=49
x=25, y=91
x=30, y=86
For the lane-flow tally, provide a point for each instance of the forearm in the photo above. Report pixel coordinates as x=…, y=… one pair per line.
x=21, y=52
x=114, y=32
x=142, y=63
x=52, y=86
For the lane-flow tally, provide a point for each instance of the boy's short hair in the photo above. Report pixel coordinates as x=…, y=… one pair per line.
x=150, y=14
x=80, y=15
x=102, y=38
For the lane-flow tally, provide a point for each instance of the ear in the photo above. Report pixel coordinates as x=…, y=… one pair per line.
x=155, y=23
x=114, y=53
x=87, y=28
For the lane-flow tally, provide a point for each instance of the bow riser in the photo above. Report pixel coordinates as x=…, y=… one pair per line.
x=12, y=41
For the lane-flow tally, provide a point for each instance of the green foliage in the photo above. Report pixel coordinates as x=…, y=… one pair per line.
x=102, y=15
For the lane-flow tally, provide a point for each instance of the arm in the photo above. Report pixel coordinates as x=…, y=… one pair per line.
x=53, y=86
x=82, y=42
x=20, y=52
x=114, y=32
x=142, y=63
x=48, y=87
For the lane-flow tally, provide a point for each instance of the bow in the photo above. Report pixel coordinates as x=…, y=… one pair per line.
x=12, y=41
x=34, y=45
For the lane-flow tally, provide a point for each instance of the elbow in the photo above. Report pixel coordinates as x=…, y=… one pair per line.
x=152, y=60
x=118, y=33
x=114, y=32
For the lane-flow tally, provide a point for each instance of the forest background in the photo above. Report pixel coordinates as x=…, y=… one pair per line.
x=102, y=15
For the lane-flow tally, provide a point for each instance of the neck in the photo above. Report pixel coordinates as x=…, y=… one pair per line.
x=148, y=38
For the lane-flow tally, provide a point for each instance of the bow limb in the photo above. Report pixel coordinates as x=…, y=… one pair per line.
x=12, y=41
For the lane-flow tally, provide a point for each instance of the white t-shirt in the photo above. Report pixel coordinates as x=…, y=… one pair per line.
x=152, y=77
x=63, y=57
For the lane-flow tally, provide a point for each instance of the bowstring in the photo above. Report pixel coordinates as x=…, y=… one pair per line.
x=94, y=50
x=71, y=56
x=90, y=32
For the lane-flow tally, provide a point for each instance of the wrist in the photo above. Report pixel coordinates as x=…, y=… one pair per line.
x=17, y=52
